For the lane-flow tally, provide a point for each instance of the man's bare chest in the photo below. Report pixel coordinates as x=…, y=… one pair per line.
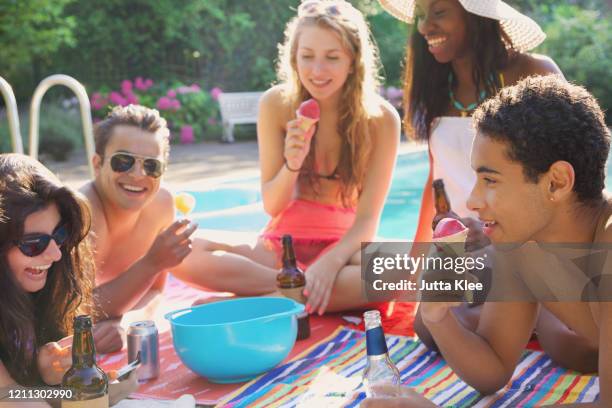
x=122, y=250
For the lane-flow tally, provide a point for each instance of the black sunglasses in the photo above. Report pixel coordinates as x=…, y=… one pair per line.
x=35, y=244
x=122, y=162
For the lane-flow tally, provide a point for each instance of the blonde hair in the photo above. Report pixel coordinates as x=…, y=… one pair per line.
x=359, y=92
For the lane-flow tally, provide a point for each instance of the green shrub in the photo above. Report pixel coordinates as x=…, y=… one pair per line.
x=233, y=44
x=391, y=36
x=580, y=41
x=60, y=132
x=181, y=105
x=31, y=33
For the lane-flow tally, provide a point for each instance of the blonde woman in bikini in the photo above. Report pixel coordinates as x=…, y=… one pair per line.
x=324, y=184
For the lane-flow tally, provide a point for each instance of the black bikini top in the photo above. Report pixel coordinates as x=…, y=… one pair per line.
x=333, y=176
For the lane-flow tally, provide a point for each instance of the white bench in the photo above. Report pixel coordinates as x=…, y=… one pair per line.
x=237, y=108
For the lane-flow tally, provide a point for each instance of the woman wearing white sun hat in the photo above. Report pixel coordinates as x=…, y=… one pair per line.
x=459, y=53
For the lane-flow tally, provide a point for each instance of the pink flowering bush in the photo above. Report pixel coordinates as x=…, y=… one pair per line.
x=98, y=102
x=143, y=84
x=192, y=113
x=187, y=135
x=215, y=92
x=167, y=103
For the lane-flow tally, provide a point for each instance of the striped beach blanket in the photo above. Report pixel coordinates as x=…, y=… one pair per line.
x=329, y=375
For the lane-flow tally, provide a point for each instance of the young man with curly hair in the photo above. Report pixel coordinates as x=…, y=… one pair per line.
x=539, y=154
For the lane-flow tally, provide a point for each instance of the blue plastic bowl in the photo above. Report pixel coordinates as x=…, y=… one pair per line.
x=235, y=340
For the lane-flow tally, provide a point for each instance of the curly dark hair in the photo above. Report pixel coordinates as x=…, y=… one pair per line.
x=29, y=320
x=545, y=119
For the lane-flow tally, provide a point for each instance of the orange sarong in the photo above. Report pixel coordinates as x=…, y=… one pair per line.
x=315, y=227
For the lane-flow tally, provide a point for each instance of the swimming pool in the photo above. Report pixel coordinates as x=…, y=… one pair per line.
x=236, y=205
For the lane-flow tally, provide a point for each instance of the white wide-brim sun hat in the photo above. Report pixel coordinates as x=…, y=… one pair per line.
x=524, y=33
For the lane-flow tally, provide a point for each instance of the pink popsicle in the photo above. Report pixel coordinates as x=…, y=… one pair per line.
x=309, y=112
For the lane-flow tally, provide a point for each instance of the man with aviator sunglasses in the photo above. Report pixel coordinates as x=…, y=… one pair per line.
x=122, y=162
x=135, y=237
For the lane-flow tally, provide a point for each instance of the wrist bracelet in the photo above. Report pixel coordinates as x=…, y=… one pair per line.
x=290, y=169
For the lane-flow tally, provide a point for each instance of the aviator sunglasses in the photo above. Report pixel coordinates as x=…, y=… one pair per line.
x=122, y=162
x=314, y=8
x=35, y=244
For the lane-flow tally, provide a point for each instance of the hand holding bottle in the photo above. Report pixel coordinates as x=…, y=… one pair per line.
x=84, y=378
x=53, y=361
x=118, y=390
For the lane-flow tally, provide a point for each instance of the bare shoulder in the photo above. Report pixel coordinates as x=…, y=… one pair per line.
x=540, y=64
x=606, y=236
x=275, y=108
x=523, y=65
x=163, y=204
x=386, y=121
x=161, y=209
x=606, y=224
x=89, y=191
x=276, y=99
x=273, y=95
x=98, y=217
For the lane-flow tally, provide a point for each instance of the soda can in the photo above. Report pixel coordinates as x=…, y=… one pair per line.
x=143, y=337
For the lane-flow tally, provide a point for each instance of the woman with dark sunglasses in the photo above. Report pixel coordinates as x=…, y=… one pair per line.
x=45, y=271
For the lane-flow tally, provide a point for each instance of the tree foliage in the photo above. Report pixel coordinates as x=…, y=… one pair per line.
x=230, y=43
x=580, y=41
x=233, y=43
x=32, y=31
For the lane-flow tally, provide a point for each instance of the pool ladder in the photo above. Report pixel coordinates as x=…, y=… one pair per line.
x=13, y=117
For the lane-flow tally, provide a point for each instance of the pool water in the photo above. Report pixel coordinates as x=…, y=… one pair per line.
x=236, y=205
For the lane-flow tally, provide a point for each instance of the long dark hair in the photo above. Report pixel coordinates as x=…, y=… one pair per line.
x=426, y=80
x=29, y=320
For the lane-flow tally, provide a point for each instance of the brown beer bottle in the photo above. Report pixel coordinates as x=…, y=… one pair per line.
x=86, y=381
x=291, y=282
x=441, y=201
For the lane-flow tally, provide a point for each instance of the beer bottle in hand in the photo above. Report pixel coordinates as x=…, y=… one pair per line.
x=87, y=382
x=381, y=377
x=291, y=282
x=441, y=201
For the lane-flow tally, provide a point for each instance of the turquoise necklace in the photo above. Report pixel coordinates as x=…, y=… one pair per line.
x=465, y=110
